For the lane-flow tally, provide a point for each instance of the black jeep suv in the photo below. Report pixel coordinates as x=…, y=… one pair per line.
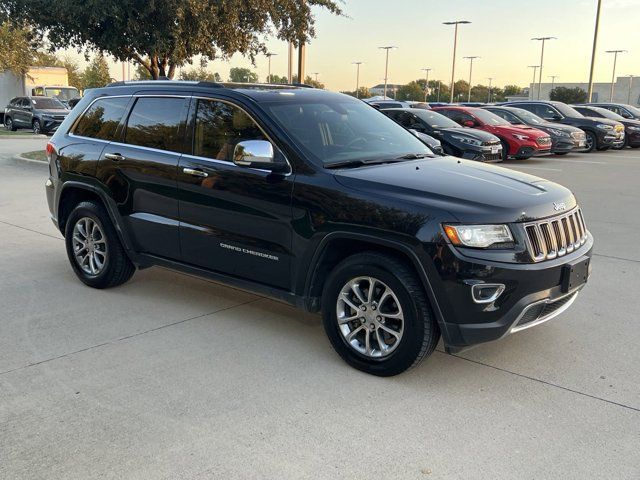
x=601, y=134
x=321, y=201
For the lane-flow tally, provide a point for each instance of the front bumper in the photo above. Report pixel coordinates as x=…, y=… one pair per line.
x=528, y=152
x=484, y=154
x=50, y=126
x=568, y=144
x=533, y=294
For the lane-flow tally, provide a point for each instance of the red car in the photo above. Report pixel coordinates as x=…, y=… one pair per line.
x=518, y=141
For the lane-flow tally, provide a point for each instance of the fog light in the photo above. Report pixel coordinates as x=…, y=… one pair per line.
x=486, y=292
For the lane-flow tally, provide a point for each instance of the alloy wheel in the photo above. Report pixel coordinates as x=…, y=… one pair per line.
x=8, y=124
x=89, y=246
x=36, y=127
x=370, y=317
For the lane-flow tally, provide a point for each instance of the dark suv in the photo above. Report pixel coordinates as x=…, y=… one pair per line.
x=601, y=133
x=41, y=114
x=631, y=126
x=316, y=199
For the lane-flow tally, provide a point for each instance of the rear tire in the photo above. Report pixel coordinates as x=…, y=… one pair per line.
x=94, y=249
x=37, y=127
x=362, y=336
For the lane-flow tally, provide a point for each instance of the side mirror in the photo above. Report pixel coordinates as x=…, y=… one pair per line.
x=258, y=154
x=468, y=123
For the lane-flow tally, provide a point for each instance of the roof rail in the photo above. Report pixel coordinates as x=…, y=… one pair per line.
x=165, y=81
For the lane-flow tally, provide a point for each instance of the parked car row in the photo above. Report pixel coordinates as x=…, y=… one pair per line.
x=523, y=129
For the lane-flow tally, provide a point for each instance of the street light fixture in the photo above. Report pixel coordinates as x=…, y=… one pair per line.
x=386, y=66
x=455, y=46
x=490, y=80
x=553, y=80
x=357, y=64
x=426, y=83
x=533, y=82
x=269, y=55
x=543, y=40
x=316, y=75
x=613, y=75
x=471, y=59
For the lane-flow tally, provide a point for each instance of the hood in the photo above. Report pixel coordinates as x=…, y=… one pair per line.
x=53, y=111
x=629, y=122
x=468, y=190
x=518, y=130
x=469, y=132
x=589, y=121
x=559, y=126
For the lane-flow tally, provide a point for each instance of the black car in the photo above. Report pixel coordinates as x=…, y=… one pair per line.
x=564, y=138
x=629, y=112
x=316, y=199
x=601, y=133
x=456, y=140
x=631, y=127
x=41, y=114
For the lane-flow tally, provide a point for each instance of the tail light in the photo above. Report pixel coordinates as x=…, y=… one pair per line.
x=50, y=150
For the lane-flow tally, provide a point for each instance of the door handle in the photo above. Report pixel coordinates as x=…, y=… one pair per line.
x=195, y=172
x=116, y=157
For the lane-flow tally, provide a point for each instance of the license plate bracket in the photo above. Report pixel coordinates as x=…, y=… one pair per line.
x=575, y=274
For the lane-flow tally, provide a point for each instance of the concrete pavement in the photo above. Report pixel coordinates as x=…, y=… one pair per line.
x=170, y=376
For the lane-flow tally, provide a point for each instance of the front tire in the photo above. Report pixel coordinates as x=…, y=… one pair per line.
x=37, y=127
x=592, y=142
x=8, y=124
x=94, y=249
x=377, y=315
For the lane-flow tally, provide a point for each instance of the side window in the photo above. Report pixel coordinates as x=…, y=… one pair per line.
x=155, y=122
x=623, y=112
x=102, y=118
x=25, y=102
x=219, y=127
x=405, y=119
x=509, y=117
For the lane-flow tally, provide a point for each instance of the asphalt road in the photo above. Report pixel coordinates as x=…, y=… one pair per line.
x=174, y=377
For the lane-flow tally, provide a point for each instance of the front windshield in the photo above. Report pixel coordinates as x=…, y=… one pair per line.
x=489, y=118
x=634, y=110
x=567, y=111
x=336, y=129
x=62, y=93
x=528, y=117
x=435, y=119
x=47, y=103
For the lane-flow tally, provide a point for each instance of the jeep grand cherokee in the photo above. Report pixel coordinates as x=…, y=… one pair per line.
x=319, y=200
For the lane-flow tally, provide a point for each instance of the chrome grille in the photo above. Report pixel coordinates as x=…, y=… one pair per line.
x=557, y=236
x=544, y=141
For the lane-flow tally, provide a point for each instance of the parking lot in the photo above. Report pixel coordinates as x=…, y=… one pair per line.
x=171, y=376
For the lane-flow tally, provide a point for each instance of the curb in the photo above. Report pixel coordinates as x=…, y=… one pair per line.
x=20, y=158
x=26, y=137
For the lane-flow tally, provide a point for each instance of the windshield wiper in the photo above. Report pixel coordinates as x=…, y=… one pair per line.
x=415, y=156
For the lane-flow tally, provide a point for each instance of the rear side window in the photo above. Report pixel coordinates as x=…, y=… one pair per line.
x=220, y=127
x=155, y=123
x=102, y=118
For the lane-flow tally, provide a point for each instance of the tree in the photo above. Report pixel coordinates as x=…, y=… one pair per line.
x=76, y=77
x=308, y=81
x=242, y=75
x=97, y=73
x=411, y=91
x=165, y=34
x=510, y=90
x=200, y=74
x=363, y=92
x=142, y=73
x=17, y=47
x=568, y=95
x=277, y=79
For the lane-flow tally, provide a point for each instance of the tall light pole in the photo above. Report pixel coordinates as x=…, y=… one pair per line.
x=455, y=46
x=439, y=85
x=315, y=74
x=471, y=59
x=593, y=52
x=553, y=80
x=269, y=55
x=357, y=64
x=386, y=66
x=533, y=82
x=629, y=94
x=426, y=83
x=543, y=40
x=490, y=80
x=613, y=75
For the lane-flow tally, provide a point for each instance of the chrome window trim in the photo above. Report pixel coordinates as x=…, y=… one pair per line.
x=196, y=157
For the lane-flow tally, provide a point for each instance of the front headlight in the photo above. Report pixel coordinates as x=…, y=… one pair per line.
x=467, y=140
x=478, y=236
x=521, y=137
x=602, y=126
x=558, y=133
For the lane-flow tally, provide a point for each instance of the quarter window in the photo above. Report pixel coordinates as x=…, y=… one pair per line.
x=219, y=127
x=102, y=118
x=155, y=122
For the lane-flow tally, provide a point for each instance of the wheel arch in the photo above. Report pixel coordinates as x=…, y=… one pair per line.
x=337, y=246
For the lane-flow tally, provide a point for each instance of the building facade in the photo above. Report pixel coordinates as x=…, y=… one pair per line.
x=625, y=90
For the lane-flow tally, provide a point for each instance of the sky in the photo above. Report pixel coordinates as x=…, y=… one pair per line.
x=500, y=33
